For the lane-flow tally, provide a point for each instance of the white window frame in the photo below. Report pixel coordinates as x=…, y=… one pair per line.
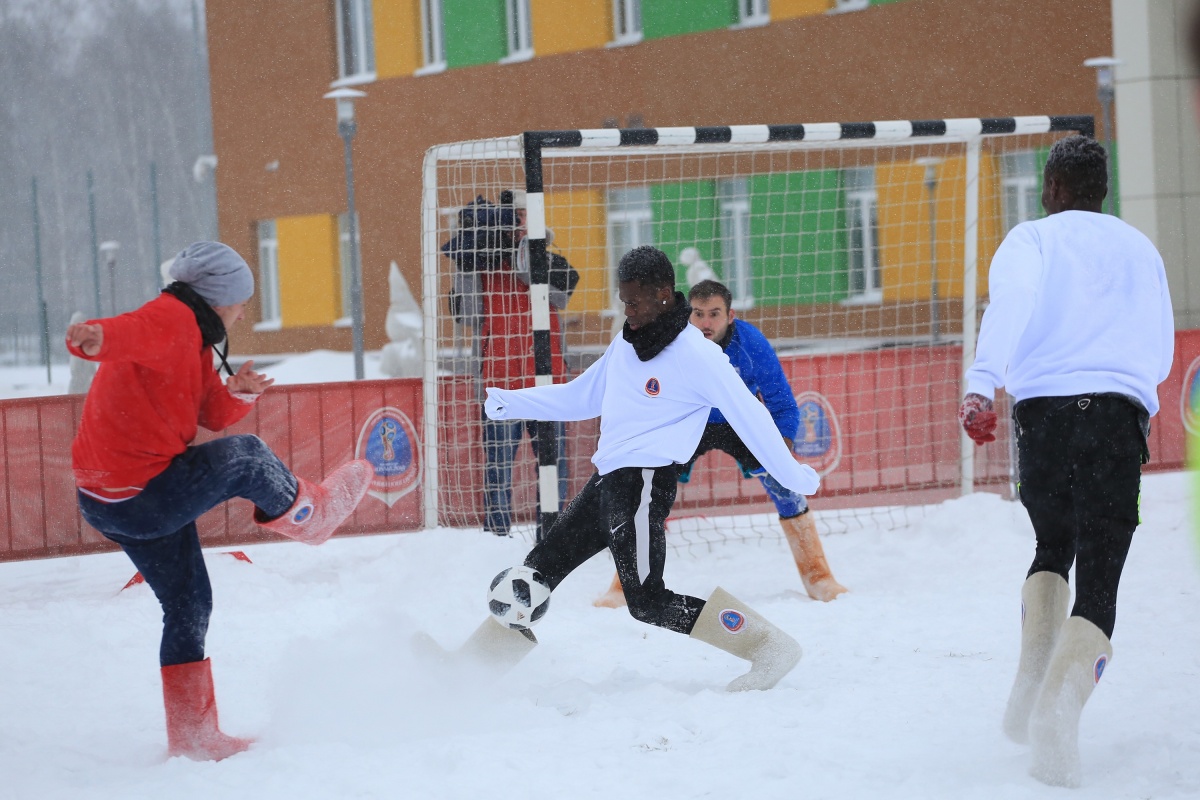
x=345, y=267
x=862, y=210
x=271, y=316
x=753, y=13
x=433, y=38
x=630, y=217
x=518, y=31
x=849, y=5
x=362, y=36
x=736, y=263
x=1021, y=186
x=627, y=22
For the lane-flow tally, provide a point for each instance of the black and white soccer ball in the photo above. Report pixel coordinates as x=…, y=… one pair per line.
x=518, y=597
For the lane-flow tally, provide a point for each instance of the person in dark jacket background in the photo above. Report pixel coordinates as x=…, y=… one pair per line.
x=142, y=483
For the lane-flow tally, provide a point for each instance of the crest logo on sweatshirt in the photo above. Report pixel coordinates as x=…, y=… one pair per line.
x=302, y=514
x=818, y=440
x=653, y=387
x=1189, y=400
x=732, y=621
x=1098, y=669
x=388, y=440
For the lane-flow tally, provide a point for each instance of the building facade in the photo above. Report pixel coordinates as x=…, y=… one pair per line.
x=438, y=71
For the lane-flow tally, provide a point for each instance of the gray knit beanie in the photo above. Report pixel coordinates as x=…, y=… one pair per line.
x=216, y=272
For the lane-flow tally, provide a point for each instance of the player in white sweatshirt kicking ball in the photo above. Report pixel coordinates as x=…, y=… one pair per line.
x=1080, y=333
x=653, y=389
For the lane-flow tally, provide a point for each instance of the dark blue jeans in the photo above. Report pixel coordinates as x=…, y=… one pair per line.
x=157, y=528
x=501, y=438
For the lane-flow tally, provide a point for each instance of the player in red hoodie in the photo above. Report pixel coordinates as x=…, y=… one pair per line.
x=142, y=483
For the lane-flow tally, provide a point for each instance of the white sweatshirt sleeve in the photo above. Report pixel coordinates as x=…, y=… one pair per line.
x=1168, y=327
x=1012, y=284
x=752, y=422
x=576, y=399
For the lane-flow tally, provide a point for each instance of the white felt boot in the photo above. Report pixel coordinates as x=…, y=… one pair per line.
x=1079, y=659
x=731, y=625
x=1044, y=599
x=492, y=648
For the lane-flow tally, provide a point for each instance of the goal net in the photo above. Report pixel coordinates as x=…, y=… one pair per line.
x=860, y=251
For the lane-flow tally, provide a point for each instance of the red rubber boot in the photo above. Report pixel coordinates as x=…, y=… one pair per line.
x=320, y=508
x=192, y=714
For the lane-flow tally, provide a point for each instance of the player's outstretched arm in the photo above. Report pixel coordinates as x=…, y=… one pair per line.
x=561, y=402
x=753, y=423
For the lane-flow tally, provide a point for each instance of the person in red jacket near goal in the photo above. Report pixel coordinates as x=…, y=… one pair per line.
x=142, y=483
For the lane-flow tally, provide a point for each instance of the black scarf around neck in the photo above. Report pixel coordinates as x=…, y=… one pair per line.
x=651, y=339
x=212, y=329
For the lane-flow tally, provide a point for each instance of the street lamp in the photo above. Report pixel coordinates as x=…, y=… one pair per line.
x=345, y=98
x=935, y=317
x=109, y=251
x=1105, y=93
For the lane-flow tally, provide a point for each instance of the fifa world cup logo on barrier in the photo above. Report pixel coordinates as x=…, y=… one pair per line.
x=812, y=416
x=387, y=432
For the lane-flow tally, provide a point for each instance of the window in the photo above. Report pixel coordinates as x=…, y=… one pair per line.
x=862, y=223
x=627, y=21
x=346, y=268
x=520, y=32
x=850, y=5
x=1021, y=185
x=753, y=13
x=356, y=41
x=268, y=276
x=630, y=225
x=734, y=204
x=432, y=36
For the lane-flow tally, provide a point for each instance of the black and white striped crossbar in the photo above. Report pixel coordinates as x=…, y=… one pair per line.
x=892, y=130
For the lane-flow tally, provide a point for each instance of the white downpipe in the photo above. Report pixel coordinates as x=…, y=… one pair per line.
x=429, y=311
x=970, y=301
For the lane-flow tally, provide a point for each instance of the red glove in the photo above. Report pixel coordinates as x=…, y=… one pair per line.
x=977, y=418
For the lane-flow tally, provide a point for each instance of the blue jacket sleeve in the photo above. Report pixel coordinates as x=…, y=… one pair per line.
x=771, y=381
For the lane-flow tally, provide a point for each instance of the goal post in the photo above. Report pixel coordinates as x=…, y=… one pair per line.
x=859, y=249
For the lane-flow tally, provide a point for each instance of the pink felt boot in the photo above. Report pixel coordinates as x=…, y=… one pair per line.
x=191, y=707
x=320, y=509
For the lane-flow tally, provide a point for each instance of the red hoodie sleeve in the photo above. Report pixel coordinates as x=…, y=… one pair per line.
x=150, y=336
x=220, y=408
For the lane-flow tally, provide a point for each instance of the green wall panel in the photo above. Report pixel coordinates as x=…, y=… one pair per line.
x=475, y=32
x=676, y=17
x=798, y=238
x=883, y=2
x=685, y=215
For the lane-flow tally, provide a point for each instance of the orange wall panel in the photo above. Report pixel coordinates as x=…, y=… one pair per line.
x=566, y=26
x=398, y=46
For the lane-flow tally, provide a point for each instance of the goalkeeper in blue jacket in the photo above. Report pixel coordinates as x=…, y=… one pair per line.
x=756, y=362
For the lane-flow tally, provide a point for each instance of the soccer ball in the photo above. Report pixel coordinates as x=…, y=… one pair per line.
x=518, y=597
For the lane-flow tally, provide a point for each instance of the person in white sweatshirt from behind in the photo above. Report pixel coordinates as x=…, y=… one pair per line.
x=653, y=389
x=1080, y=333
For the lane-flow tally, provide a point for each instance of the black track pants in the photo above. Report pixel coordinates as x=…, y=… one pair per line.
x=625, y=511
x=1080, y=472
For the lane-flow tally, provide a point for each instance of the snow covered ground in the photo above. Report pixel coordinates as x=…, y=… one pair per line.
x=899, y=695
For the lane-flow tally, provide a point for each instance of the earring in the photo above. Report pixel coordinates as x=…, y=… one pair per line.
x=664, y=302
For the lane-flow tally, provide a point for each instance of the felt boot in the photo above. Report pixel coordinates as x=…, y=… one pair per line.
x=730, y=625
x=801, y=533
x=191, y=708
x=320, y=508
x=493, y=648
x=1044, y=599
x=1079, y=659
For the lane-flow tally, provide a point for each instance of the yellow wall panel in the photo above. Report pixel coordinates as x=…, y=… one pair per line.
x=789, y=9
x=565, y=26
x=904, y=234
x=309, y=271
x=398, y=48
x=580, y=233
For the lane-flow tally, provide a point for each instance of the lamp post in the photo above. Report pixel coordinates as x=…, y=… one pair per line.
x=345, y=98
x=1105, y=93
x=109, y=251
x=935, y=316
